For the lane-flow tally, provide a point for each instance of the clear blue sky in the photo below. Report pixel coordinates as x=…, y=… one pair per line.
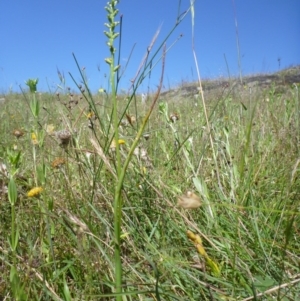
x=39, y=36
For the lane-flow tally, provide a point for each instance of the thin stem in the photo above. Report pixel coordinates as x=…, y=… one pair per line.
x=237, y=42
x=118, y=191
x=203, y=101
x=13, y=234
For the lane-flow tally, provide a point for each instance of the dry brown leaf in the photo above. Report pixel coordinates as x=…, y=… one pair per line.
x=189, y=201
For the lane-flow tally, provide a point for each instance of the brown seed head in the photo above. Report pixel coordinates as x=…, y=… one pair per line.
x=58, y=162
x=18, y=133
x=174, y=117
x=64, y=136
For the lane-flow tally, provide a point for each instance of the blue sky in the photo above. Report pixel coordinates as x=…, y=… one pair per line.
x=39, y=36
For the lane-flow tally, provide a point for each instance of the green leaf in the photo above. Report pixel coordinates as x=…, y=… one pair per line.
x=67, y=293
x=12, y=192
x=244, y=107
x=163, y=109
x=13, y=274
x=35, y=107
x=263, y=283
x=42, y=173
x=15, y=160
x=16, y=286
x=14, y=239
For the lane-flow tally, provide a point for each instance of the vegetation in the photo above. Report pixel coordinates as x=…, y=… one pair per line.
x=103, y=197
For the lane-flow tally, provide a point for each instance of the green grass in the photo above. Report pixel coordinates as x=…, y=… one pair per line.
x=248, y=222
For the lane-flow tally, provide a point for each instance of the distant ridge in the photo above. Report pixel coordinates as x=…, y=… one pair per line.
x=280, y=79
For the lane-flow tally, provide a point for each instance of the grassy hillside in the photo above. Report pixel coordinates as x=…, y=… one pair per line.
x=56, y=242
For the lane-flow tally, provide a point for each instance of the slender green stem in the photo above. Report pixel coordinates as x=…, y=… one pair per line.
x=118, y=191
x=111, y=34
x=13, y=234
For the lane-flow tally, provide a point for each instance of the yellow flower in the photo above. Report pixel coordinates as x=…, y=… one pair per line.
x=34, y=192
x=90, y=115
x=114, y=144
x=201, y=250
x=34, y=138
x=191, y=235
x=196, y=239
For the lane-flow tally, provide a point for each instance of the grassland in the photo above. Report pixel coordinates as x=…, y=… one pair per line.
x=199, y=202
x=56, y=243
